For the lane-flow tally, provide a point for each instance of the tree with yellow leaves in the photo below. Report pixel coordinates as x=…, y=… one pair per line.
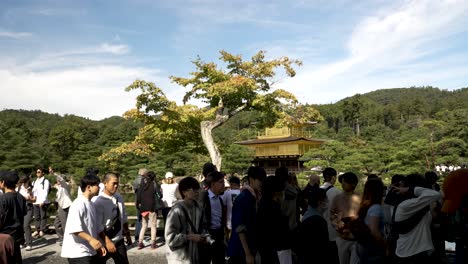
x=239, y=86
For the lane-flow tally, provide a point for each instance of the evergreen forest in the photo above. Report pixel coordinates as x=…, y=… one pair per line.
x=385, y=132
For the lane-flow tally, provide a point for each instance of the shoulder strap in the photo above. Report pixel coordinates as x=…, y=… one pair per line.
x=328, y=188
x=187, y=217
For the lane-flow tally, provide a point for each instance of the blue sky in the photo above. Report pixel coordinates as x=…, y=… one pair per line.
x=76, y=57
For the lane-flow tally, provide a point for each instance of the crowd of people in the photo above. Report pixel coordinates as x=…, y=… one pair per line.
x=258, y=218
x=272, y=220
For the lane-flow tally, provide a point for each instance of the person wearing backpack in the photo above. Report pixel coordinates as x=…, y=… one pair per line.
x=412, y=219
x=41, y=188
x=147, y=205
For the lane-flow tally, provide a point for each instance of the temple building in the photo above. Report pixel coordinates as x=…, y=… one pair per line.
x=284, y=146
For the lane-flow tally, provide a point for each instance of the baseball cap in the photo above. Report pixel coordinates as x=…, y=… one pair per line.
x=169, y=175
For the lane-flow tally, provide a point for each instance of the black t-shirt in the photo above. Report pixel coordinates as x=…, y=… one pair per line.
x=12, y=211
x=311, y=241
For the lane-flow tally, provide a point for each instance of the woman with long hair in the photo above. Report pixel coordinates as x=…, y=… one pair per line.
x=372, y=249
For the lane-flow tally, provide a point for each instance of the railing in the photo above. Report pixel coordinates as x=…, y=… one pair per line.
x=133, y=218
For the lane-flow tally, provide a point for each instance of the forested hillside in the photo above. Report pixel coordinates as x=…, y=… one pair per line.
x=394, y=131
x=385, y=132
x=69, y=144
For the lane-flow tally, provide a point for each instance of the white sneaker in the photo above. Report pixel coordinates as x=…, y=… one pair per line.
x=28, y=248
x=35, y=234
x=41, y=234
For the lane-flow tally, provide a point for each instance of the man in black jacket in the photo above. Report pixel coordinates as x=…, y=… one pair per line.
x=215, y=216
x=12, y=211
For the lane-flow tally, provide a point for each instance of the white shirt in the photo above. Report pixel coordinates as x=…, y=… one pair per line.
x=216, y=210
x=419, y=239
x=40, y=191
x=331, y=194
x=24, y=192
x=63, y=197
x=81, y=218
x=228, y=198
x=169, y=193
x=105, y=213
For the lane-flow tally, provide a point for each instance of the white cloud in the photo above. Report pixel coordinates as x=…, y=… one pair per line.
x=95, y=92
x=57, y=12
x=15, y=35
x=382, y=50
x=118, y=49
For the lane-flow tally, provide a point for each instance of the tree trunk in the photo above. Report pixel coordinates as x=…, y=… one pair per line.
x=222, y=115
x=432, y=152
x=206, y=129
x=357, y=127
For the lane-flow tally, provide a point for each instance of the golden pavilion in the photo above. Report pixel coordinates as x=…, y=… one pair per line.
x=277, y=147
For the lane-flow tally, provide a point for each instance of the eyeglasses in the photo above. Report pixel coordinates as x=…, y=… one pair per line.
x=38, y=172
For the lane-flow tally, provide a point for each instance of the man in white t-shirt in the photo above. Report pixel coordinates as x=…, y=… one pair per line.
x=80, y=243
x=329, y=178
x=40, y=190
x=112, y=220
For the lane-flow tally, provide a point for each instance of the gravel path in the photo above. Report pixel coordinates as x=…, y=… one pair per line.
x=46, y=250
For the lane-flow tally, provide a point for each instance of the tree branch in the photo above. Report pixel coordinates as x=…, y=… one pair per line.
x=237, y=110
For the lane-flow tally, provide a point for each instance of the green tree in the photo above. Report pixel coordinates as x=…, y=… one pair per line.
x=240, y=86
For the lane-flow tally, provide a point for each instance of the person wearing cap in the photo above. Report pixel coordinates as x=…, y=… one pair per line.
x=455, y=189
x=169, y=190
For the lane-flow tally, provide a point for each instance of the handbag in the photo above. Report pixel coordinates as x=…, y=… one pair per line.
x=116, y=226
